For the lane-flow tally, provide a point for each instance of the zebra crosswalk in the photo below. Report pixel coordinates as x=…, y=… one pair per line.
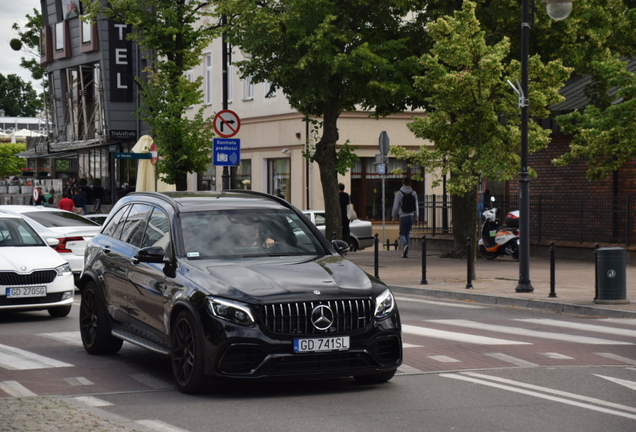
x=437, y=345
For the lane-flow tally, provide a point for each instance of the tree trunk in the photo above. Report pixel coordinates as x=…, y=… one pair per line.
x=327, y=158
x=464, y=226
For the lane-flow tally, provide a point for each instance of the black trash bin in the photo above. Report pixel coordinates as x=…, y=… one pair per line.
x=611, y=275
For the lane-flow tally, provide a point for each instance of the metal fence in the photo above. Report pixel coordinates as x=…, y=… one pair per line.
x=577, y=218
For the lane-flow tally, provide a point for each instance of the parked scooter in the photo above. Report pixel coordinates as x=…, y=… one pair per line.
x=496, y=240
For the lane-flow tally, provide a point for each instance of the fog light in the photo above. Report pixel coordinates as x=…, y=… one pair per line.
x=67, y=295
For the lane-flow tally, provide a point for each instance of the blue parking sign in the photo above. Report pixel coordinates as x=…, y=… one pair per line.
x=226, y=151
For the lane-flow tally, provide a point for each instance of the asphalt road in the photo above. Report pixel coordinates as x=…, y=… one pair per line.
x=468, y=367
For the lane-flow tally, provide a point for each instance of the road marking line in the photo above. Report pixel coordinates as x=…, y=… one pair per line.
x=16, y=359
x=465, y=306
x=457, y=337
x=160, y=426
x=530, y=333
x=92, y=401
x=552, y=391
x=510, y=359
x=628, y=384
x=628, y=321
x=557, y=356
x=617, y=358
x=408, y=370
x=545, y=396
x=71, y=338
x=15, y=389
x=407, y=345
x=444, y=359
x=151, y=381
x=78, y=381
x=583, y=327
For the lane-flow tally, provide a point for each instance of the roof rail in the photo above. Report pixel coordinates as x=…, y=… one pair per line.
x=158, y=195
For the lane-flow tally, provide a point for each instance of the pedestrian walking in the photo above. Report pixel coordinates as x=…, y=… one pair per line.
x=345, y=200
x=405, y=207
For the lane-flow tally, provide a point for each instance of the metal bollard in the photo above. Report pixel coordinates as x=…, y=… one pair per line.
x=389, y=244
x=552, y=271
x=469, y=255
x=423, y=281
x=596, y=246
x=376, y=264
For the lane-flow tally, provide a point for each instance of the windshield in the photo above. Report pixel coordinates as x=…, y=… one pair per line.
x=247, y=233
x=17, y=232
x=52, y=219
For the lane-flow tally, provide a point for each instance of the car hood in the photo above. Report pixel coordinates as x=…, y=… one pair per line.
x=296, y=280
x=26, y=259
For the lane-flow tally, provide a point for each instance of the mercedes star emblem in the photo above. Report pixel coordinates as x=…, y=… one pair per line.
x=322, y=317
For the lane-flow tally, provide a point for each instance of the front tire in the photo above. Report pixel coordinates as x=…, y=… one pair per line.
x=94, y=324
x=488, y=255
x=187, y=356
x=59, y=312
x=377, y=378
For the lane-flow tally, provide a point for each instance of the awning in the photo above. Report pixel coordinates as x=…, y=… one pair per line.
x=31, y=154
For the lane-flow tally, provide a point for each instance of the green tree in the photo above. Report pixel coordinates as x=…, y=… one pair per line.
x=10, y=164
x=172, y=38
x=18, y=98
x=330, y=56
x=29, y=43
x=465, y=80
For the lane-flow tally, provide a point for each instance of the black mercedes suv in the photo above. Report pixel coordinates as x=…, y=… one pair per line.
x=235, y=284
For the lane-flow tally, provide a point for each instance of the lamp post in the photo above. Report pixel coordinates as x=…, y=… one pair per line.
x=557, y=10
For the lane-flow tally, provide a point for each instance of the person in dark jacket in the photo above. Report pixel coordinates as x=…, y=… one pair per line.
x=345, y=199
x=80, y=199
x=406, y=217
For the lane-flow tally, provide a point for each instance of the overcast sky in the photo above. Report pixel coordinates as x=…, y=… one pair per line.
x=12, y=11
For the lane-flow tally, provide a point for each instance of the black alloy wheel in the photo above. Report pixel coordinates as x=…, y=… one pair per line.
x=188, y=354
x=94, y=325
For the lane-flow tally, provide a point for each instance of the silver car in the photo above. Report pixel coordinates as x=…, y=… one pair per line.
x=361, y=232
x=70, y=229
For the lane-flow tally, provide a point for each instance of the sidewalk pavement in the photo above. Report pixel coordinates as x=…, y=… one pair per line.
x=496, y=281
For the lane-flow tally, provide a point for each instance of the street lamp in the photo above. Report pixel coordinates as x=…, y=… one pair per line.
x=557, y=10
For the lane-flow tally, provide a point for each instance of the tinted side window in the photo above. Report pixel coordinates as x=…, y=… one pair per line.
x=116, y=222
x=135, y=224
x=157, y=231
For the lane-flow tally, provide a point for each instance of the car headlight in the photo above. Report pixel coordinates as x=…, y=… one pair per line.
x=235, y=312
x=63, y=270
x=384, y=304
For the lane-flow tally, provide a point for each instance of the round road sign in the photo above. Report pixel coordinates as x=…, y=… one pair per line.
x=155, y=155
x=36, y=195
x=226, y=123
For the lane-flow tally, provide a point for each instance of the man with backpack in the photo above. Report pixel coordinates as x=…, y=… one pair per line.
x=406, y=208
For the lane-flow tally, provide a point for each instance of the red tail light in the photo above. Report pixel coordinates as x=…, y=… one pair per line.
x=61, y=247
x=516, y=232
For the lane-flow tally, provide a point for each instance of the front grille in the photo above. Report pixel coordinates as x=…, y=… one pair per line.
x=295, y=318
x=40, y=277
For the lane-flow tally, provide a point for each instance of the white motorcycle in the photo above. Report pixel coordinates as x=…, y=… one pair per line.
x=496, y=240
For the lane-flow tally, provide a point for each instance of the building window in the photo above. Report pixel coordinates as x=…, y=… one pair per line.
x=46, y=51
x=207, y=78
x=244, y=175
x=84, y=111
x=279, y=177
x=61, y=41
x=88, y=36
x=208, y=178
x=71, y=8
x=249, y=89
x=366, y=187
x=270, y=90
x=189, y=75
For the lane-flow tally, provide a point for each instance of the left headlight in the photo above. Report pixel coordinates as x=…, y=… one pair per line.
x=235, y=312
x=63, y=270
x=384, y=304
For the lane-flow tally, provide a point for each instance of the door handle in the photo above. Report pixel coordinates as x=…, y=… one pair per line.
x=106, y=249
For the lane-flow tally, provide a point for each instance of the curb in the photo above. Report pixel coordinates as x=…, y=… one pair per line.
x=518, y=302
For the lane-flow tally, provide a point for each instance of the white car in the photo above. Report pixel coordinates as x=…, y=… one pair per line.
x=361, y=232
x=32, y=275
x=71, y=230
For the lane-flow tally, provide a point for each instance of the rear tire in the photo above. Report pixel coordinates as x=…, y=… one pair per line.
x=377, y=378
x=353, y=245
x=486, y=254
x=59, y=312
x=94, y=324
x=188, y=355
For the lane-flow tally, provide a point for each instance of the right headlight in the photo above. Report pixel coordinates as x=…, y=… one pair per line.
x=63, y=270
x=384, y=304
x=238, y=313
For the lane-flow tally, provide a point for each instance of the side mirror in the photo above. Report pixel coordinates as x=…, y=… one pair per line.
x=341, y=247
x=152, y=254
